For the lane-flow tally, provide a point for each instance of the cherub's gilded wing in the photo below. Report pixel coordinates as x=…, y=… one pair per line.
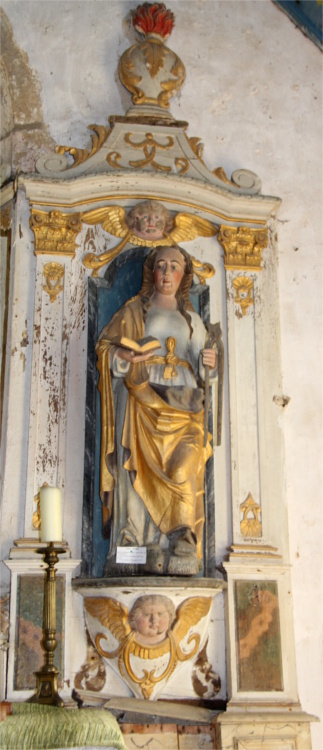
x=112, y=219
x=188, y=227
x=189, y=613
x=111, y=614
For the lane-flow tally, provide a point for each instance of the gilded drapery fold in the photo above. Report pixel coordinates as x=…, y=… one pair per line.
x=128, y=319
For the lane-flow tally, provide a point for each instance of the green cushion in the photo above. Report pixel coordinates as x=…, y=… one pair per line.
x=38, y=727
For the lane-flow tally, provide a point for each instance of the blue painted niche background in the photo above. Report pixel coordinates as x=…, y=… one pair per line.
x=106, y=295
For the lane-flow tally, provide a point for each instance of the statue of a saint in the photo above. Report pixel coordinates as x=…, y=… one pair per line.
x=153, y=449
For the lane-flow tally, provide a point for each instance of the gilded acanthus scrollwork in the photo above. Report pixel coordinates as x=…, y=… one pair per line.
x=149, y=147
x=147, y=224
x=80, y=155
x=241, y=178
x=243, y=247
x=55, y=232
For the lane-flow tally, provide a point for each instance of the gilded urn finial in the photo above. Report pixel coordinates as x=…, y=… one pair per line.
x=149, y=70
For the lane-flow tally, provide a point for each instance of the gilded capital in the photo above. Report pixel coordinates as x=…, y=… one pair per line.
x=55, y=232
x=243, y=247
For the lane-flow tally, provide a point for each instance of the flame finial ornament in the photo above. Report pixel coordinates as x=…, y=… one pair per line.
x=153, y=19
x=149, y=70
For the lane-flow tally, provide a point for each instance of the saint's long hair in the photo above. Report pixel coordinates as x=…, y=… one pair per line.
x=182, y=295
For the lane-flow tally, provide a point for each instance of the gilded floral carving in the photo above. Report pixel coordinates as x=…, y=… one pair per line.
x=244, y=292
x=250, y=525
x=53, y=274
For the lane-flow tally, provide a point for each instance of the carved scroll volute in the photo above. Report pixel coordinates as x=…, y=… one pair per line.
x=149, y=70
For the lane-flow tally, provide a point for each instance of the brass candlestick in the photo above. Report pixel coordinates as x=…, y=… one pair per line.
x=46, y=678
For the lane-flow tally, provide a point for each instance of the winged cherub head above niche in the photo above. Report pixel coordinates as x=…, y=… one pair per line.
x=149, y=220
x=148, y=224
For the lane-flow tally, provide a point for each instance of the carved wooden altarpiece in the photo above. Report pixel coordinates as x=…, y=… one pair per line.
x=87, y=262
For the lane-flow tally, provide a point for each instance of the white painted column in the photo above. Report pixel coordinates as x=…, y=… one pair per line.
x=47, y=426
x=243, y=397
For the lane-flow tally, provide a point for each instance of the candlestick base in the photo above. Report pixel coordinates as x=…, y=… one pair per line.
x=46, y=688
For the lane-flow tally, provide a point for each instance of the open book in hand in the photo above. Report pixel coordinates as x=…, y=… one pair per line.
x=142, y=346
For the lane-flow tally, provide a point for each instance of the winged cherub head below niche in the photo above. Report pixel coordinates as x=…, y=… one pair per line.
x=148, y=643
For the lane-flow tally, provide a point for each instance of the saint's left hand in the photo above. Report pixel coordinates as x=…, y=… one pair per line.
x=209, y=358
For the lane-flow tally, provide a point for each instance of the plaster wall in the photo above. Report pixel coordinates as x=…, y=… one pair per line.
x=253, y=96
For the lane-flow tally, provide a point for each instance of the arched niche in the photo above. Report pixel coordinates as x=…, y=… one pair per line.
x=106, y=295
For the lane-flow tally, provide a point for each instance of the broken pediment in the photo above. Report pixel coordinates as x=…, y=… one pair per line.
x=147, y=141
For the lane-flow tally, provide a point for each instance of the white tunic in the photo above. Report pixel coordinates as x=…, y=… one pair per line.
x=131, y=522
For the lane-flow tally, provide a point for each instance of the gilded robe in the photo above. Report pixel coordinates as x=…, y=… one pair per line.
x=152, y=430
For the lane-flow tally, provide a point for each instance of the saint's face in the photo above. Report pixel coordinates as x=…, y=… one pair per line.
x=152, y=622
x=149, y=224
x=168, y=271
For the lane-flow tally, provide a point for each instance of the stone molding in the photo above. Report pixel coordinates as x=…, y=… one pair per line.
x=96, y=190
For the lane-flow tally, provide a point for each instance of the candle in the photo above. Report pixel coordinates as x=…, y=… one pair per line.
x=50, y=514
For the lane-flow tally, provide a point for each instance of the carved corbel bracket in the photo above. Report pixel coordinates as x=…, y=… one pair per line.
x=55, y=232
x=243, y=247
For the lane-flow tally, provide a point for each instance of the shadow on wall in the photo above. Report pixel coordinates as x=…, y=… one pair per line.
x=23, y=132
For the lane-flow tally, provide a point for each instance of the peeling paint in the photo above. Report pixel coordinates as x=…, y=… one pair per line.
x=281, y=400
x=36, y=333
x=25, y=339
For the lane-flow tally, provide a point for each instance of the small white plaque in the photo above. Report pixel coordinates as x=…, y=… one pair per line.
x=135, y=555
